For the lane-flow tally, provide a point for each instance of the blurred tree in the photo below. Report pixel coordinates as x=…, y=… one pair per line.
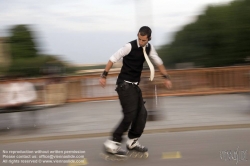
x=24, y=54
x=25, y=58
x=219, y=37
x=22, y=42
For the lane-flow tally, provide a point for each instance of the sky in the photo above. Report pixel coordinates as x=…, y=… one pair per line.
x=90, y=31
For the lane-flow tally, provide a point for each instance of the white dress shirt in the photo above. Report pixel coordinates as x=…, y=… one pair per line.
x=125, y=50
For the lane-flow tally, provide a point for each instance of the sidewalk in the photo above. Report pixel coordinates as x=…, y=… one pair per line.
x=90, y=119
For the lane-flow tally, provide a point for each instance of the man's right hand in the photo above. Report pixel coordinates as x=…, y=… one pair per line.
x=102, y=81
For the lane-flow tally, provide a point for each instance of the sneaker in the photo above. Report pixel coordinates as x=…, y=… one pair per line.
x=114, y=148
x=133, y=144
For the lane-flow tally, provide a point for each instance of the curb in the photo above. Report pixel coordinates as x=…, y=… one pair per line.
x=106, y=134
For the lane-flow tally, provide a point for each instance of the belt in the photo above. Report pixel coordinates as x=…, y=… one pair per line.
x=134, y=83
x=127, y=83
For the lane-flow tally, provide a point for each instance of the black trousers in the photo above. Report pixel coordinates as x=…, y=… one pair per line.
x=134, y=112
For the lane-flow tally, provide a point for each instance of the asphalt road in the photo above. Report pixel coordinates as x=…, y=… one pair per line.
x=194, y=148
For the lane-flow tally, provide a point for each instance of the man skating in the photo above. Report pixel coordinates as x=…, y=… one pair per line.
x=134, y=54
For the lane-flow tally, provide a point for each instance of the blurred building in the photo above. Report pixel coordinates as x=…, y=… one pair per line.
x=4, y=53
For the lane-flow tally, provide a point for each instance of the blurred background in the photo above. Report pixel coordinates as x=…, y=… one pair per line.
x=53, y=52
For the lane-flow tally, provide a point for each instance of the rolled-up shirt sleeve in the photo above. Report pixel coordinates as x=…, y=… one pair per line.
x=125, y=50
x=153, y=55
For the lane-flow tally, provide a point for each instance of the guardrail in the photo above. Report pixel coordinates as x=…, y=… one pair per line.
x=198, y=81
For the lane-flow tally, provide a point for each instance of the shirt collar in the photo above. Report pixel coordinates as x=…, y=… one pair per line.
x=139, y=45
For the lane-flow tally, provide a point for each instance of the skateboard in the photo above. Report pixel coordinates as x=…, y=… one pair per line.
x=112, y=157
x=131, y=154
x=136, y=154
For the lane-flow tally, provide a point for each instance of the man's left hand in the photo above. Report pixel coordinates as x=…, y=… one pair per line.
x=168, y=83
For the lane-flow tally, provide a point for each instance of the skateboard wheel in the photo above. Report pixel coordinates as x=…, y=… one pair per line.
x=145, y=155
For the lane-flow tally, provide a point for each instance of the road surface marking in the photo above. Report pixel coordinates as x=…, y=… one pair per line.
x=171, y=155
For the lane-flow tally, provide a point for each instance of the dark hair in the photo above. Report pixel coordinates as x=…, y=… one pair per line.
x=145, y=30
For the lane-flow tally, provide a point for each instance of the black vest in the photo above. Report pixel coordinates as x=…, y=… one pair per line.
x=133, y=64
